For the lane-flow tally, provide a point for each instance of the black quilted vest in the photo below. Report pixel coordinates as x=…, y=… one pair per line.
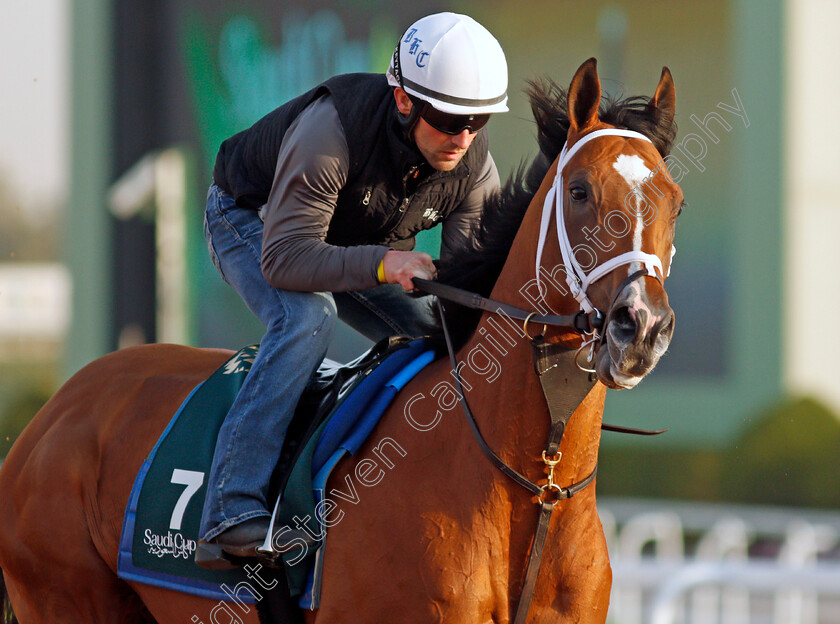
x=376, y=205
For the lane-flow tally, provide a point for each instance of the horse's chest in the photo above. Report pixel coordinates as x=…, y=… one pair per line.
x=464, y=570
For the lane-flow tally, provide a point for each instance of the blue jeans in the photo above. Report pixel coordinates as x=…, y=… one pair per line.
x=299, y=327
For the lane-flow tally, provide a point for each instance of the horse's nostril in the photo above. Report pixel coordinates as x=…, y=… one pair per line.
x=669, y=328
x=623, y=325
x=665, y=327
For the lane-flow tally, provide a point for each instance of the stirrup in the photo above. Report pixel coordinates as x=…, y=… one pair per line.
x=211, y=557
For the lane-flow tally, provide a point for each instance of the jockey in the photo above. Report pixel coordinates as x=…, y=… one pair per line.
x=312, y=217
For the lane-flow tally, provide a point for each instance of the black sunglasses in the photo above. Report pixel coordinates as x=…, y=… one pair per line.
x=448, y=123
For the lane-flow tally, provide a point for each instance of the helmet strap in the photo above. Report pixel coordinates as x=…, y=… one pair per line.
x=396, y=64
x=407, y=122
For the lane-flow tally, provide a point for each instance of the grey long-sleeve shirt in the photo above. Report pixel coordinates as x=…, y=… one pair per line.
x=312, y=168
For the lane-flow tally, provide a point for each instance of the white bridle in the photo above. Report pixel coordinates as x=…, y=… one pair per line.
x=578, y=280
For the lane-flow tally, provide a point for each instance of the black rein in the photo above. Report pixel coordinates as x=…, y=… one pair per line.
x=564, y=385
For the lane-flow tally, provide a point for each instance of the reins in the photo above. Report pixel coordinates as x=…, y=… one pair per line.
x=565, y=383
x=562, y=398
x=581, y=322
x=543, y=363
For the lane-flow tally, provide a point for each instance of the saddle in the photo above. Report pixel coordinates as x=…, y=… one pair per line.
x=339, y=408
x=351, y=405
x=331, y=384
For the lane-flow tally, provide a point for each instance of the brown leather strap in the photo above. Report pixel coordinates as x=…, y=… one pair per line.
x=497, y=461
x=547, y=360
x=482, y=443
x=564, y=385
x=537, y=547
x=534, y=562
x=632, y=430
x=580, y=322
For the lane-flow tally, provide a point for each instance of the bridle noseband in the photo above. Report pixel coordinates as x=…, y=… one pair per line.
x=565, y=383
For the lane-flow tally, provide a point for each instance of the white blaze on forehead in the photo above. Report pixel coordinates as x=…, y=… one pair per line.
x=632, y=168
x=634, y=171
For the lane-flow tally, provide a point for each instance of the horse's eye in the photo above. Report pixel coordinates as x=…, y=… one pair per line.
x=680, y=209
x=578, y=193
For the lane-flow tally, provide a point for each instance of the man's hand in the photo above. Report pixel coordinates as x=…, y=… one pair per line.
x=402, y=266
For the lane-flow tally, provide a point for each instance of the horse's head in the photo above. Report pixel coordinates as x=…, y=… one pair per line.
x=615, y=207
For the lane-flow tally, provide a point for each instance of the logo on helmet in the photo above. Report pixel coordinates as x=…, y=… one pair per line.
x=472, y=79
x=420, y=59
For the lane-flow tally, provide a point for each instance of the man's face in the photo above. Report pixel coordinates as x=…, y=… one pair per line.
x=442, y=151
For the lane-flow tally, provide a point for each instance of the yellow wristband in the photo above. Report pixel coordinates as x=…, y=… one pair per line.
x=380, y=272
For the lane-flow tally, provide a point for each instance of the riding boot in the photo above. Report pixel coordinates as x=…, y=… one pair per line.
x=243, y=541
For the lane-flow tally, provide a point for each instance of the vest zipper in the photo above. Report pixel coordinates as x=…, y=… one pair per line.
x=366, y=199
x=396, y=217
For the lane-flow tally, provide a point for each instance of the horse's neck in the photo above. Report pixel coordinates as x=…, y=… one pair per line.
x=512, y=412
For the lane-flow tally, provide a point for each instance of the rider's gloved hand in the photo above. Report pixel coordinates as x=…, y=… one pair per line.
x=402, y=266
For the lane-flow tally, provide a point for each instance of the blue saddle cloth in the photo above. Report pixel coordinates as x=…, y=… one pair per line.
x=160, y=529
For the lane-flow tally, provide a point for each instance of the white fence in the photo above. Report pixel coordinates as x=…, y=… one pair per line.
x=692, y=563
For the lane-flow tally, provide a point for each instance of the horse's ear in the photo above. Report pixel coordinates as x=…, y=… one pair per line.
x=584, y=97
x=665, y=97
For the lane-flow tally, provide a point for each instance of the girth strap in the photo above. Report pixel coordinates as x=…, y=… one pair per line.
x=537, y=547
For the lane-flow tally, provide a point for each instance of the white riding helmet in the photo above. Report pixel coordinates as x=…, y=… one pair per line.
x=453, y=63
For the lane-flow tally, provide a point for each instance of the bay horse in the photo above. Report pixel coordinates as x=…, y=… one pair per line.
x=429, y=530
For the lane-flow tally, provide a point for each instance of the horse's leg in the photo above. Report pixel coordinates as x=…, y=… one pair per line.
x=76, y=588
x=54, y=567
x=55, y=570
x=169, y=607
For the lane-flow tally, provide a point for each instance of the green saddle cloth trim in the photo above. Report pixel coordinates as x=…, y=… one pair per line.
x=161, y=524
x=162, y=521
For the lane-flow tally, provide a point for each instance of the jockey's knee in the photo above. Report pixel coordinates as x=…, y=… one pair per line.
x=307, y=317
x=321, y=317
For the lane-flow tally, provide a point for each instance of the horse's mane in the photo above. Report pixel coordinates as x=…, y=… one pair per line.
x=477, y=265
